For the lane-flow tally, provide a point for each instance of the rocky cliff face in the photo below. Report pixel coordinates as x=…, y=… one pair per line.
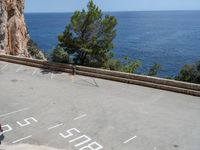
x=13, y=32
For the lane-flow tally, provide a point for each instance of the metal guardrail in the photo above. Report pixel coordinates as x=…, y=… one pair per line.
x=154, y=82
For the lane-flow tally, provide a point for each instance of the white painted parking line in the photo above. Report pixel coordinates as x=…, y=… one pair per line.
x=82, y=116
x=22, y=139
x=4, y=67
x=14, y=112
x=129, y=140
x=8, y=128
x=52, y=75
x=19, y=69
x=58, y=125
x=34, y=72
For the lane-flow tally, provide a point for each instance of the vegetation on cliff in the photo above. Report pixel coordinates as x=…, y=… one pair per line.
x=190, y=73
x=153, y=70
x=35, y=51
x=60, y=55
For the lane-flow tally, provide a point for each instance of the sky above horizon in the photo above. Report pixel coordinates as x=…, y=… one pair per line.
x=110, y=5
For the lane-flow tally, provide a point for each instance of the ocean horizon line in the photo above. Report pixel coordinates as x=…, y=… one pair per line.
x=148, y=36
x=115, y=11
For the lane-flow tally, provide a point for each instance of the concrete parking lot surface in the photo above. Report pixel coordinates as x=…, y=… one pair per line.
x=51, y=109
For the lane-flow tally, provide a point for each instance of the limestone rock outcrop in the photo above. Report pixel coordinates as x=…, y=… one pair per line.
x=13, y=32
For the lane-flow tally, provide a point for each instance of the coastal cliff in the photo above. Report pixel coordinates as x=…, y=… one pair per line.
x=14, y=37
x=13, y=32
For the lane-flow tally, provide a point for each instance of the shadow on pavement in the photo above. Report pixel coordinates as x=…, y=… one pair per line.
x=46, y=71
x=86, y=82
x=80, y=80
x=1, y=138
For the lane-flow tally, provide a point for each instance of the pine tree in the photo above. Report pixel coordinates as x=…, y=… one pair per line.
x=89, y=36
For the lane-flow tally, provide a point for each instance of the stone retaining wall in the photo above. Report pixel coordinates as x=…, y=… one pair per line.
x=154, y=82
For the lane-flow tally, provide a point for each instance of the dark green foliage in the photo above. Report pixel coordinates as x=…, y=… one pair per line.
x=89, y=36
x=130, y=66
x=190, y=73
x=198, y=66
x=169, y=77
x=153, y=71
x=34, y=51
x=60, y=55
x=127, y=65
x=113, y=64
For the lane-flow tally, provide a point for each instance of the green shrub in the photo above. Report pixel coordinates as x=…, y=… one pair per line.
x=34, y=51
x=130, y=66
x=113, y=64
x=60, y=55
x=190, y=73
x=127, y=65
x=153, y=71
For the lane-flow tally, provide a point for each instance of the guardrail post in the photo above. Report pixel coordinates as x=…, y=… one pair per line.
x=73, y=70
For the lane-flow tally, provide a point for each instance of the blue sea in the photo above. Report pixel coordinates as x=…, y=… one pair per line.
x=170, y=38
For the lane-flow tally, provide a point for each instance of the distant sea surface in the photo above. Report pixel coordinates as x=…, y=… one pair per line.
x=170, y=38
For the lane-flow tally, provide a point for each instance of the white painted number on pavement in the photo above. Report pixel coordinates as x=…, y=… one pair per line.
x=27, y=122
x=81, y=140
x=69, y=133
x=84, y=137
x=92, y=146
